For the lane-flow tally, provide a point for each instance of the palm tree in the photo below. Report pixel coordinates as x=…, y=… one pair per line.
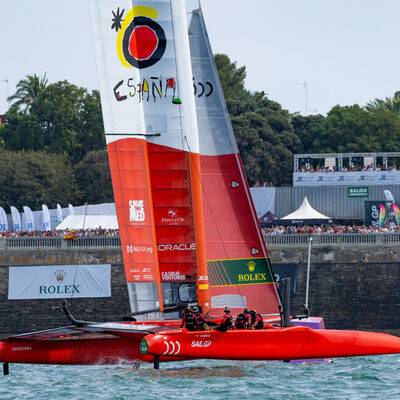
x=391, y=104
x=28, y=89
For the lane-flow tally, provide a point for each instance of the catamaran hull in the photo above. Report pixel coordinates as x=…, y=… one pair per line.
x=271, y=344
x=173, y=345
x=75, y=352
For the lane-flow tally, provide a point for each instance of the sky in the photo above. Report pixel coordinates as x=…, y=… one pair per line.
x=314, y=53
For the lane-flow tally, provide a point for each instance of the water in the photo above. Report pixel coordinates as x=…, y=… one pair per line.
x=346, y=378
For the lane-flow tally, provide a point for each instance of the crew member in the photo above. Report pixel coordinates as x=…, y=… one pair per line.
x=247, y=316
x=189, y=321
x=256, y=320
x=226, y=322
x=241, y=321
x=200, y=319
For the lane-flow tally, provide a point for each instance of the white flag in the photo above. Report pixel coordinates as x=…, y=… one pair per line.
x=389, y=195
x=29, y=221
x=3, y=220
x=71, y=209
x=16, y=217
x=45, y=218
x=59, y=214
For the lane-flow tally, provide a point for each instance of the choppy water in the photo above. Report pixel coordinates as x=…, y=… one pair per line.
x=351, y=378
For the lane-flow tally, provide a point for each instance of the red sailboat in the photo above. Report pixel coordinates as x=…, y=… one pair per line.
x=189, y=231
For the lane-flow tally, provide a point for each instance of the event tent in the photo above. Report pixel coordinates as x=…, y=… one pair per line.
x=89, y=222
x=305, y=213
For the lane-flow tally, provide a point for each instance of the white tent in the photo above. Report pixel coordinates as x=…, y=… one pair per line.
x=305, y=211
x=89, y=222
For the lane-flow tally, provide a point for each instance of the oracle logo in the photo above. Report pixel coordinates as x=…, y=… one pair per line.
x=177, y=247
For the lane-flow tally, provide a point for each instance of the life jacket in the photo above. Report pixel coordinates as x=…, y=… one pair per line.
x=257, y=322
x=225, y=324
x=240, y=322
x=200, y=320
x=190, y=322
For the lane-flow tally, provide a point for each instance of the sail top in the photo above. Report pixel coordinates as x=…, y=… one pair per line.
x=145, y=81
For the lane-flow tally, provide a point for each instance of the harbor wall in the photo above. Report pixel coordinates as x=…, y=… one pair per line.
x=352, y=287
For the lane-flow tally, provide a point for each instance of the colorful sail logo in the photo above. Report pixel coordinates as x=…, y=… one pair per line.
x=382, y=215
x=396, y=212
x=141, y=41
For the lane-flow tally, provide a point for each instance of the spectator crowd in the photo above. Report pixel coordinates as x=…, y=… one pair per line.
x=65, y=233
x=354, y=168
x=274, y=230
x=330, y=229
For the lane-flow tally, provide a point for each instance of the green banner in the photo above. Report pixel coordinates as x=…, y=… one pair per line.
x=358, y=191
x=242, y=271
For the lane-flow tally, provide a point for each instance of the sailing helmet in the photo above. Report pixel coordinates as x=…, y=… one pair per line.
x=246, y=311
x=227, y=309
x=253, y=312
x=188, y=310
x=195, y=309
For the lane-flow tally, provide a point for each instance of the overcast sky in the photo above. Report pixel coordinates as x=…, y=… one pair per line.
x=346, y=51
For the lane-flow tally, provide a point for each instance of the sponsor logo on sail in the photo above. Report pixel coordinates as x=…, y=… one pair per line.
x=141, y=41
x=177, y=247
x=252, y=276
x=172, y=217
x=172, y=276
x=251, y=265
x=136, y=211
x=138, y=249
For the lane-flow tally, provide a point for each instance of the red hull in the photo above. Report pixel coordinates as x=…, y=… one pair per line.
x=272, y=344
x=75, y=352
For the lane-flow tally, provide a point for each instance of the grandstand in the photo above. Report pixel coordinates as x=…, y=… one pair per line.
x=346, y=169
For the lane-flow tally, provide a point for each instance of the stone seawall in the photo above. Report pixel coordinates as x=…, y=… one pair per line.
x=352, y=287
x=18, y=316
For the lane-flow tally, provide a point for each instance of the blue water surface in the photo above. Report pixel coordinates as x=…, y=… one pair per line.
x=345, y=378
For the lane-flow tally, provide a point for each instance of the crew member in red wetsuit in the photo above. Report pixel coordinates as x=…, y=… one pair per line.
x=189, y=321
x=256, y=320
x=240, y=322
x=200, y=318
x=247, y=317
x=226, y=322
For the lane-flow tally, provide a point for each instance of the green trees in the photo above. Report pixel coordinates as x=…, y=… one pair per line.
x=391, y=104
x=263, y=129
x=53, y=147
x=354, y=129
x=28, y=89
x=33, y=178
x=57, y=124
x=62, y=118
x=94, y=179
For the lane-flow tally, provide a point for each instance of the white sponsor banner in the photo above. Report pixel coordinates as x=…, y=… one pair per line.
x=59, y=214
x=16, y=218
x=71, y=209
x=3, y=220
x=29, y=220
x=59, y=281
x=364, y=178
x=45, y=218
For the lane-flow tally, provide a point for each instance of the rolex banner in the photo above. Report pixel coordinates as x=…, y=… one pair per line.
x=59, y=281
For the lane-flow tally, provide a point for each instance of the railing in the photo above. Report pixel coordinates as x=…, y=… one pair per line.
x=333, y=239
x=59, y=242
x=278, y=240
